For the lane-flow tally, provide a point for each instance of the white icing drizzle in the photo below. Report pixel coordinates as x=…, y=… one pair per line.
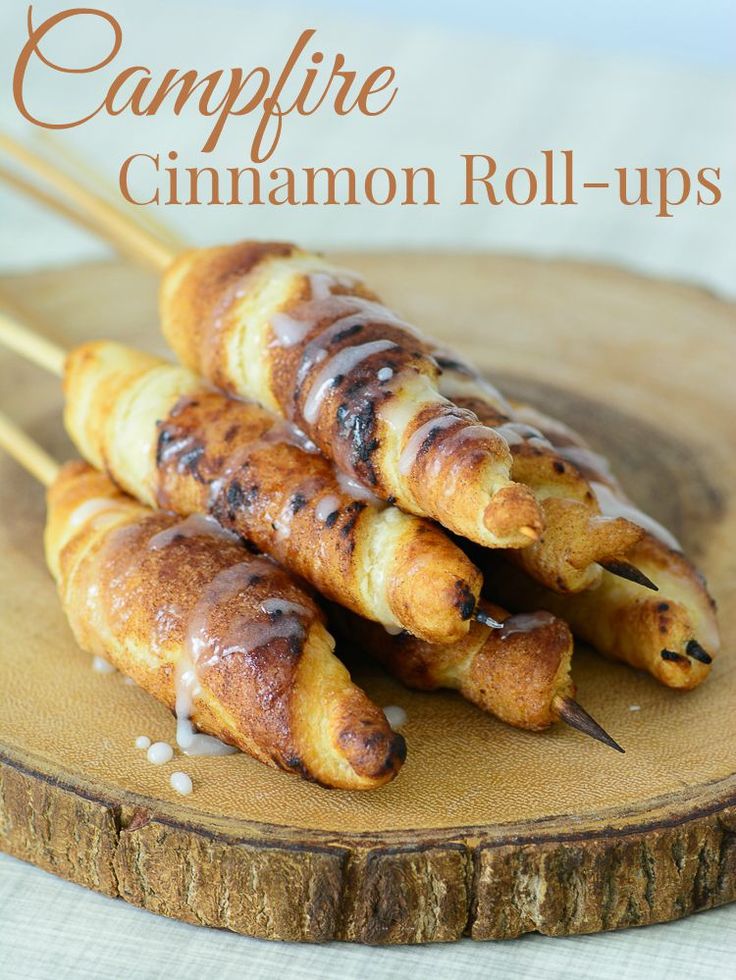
x=395, y=716
x=90, y=508
x=181, y=783
x=634, y=707
x=525, y=623
x=286, y=433
x=393, y=629
x=159, y=753
x=385, y=374
x=355, y=489
x=341, y=363
x=612, y=505
x=588, y=461
x=288, y=331
x=129, y=681
x=204, y=648
x=174, y=448
x=411, y=449
x=516, y=433
x=191, y=527
x=102, y=666
x=283, y=607
x=464, y=381
x=143, y=742
x=326, y=506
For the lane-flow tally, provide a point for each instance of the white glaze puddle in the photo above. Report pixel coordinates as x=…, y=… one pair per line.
x=395, y=716
x=525, y=623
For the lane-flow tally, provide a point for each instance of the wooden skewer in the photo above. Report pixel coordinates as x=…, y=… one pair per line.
x=27, y=343
x=27, y=452
x=624, y=569
x=486, y=620
x=49, y=201
x=578, y=718
x=75, y=163
x=116, y=226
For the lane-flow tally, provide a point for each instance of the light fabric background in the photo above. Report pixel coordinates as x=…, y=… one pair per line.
x=621, y=84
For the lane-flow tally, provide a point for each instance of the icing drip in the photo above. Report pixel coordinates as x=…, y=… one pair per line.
x=191, y=527
x=411, y=450
x=102, y=666
x=90, y=508
x=181, y=783
x=395, y=716
x=517, y=433
x=341, y=364
x=160, y=753
x=326, y=506
x=143, y=742
x=354, y=489
x=206, y=643
x=525, y=623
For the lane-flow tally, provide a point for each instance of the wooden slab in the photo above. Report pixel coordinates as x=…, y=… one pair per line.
x=488, y=831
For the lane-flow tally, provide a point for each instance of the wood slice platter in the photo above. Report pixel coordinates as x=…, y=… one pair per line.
x=488, y=831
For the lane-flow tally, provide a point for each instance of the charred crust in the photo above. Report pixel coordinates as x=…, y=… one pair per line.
x=391, y=500
x=295, y=643
x=398, y=748
x=235, y=495
x=297, y=502
x=674, y=657
x=331, y=519
x=230, y=433
x=558, y=466
x=190, y=459
x=347, y=529
x=663, y=607
x=450, y=364
x=464, y=600
x=347, y=332
x=164, y=438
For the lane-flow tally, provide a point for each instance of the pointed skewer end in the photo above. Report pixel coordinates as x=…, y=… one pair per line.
x=695, y=651
x=578, y=718
x=483, y=617
x=624, y=569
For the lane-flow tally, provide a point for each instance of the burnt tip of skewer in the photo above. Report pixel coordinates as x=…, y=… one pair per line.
x=695, y=651
x=487, y=620
x=624, y=569
x=578, y=718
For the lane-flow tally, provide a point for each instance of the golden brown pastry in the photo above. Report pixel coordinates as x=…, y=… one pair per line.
x=672, y=633
x=199, y=623
x=519, y=673
x=577, y=538
x=313, y=343
x=172, y=442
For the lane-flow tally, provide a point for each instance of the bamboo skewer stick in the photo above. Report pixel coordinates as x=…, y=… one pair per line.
x=116, y=226
x=28, y=453
x=106, y=189
x=32, y=346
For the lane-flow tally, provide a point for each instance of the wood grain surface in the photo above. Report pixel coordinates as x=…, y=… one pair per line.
x=488, y=831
